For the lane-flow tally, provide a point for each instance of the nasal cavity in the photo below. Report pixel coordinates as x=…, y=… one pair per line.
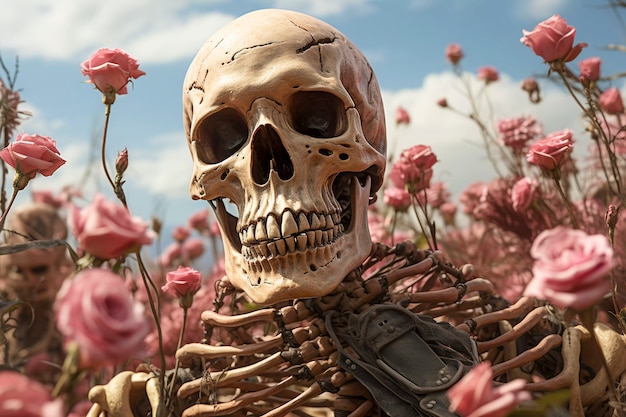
x=269, y=154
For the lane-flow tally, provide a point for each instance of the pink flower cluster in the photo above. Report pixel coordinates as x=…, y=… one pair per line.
x=515, y=133
x=413, y=170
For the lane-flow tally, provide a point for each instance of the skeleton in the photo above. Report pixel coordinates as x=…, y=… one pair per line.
x=284, y=119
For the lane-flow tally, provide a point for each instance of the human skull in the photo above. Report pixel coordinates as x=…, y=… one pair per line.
x=284, y=118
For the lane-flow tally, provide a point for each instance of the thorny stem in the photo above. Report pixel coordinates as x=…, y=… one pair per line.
x=556, y=175
x=149, y=285
x=178, y=346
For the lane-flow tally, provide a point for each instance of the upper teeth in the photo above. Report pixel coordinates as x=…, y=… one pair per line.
x=273, y=237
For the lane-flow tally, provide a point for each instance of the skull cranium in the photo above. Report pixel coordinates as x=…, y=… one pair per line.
x=284, y=118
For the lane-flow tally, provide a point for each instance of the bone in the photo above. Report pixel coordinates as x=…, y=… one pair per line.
x=281, y=411
x=224, y=377
x=212, y=318
x=419, y=268
x=453, y=294
x=523, y=327
x=204, y=351
x=522, y=358
x=227, y=408
x=521, y=307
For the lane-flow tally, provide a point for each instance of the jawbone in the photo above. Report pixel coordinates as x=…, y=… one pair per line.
x=301, y=255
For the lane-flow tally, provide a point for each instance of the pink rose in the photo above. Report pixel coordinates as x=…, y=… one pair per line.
x=488, y=74
x=516, y=132
x=436, y=194
x=413, y=169
x=398, y=198
x=111, y=70
x=472, y=196
x=170, y=254
x=570, y=268
x=402, y=116
x=32, y=154
x=553, y=40
x=590, y=68
x=46, y=197
x=523, y=193
x=550, y=152
x=475, y=396
x=107, y=230
x=532, y=88
x=610, y=101
x=180, y=233
x=96, y=311
x=183, y=283
x=448, y=212
x=193, y=248
x=454, y=53
x=199, y=220
x=21, y=396
x=121, y=162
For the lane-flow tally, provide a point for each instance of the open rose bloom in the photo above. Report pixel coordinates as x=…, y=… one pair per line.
x=553, y=40
x=107, y=230
x=21, y=396
x=571, y=268
x=111, y=70
x=475, y=395
x=552, y=151
x=96, y=312
x=33, y=154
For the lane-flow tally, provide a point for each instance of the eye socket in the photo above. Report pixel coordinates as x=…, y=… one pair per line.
x=220, y=135
x=318, y=114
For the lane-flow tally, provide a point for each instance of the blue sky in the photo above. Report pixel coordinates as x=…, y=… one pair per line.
x=404, y=41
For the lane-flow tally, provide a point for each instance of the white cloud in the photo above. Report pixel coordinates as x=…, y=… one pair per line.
x=66, y=29
x=150, y=30
x=539, y=9
x=323, y=8
x=164, y=168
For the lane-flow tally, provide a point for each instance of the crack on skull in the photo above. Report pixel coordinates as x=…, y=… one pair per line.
x=315, y=42
x=234, y=56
